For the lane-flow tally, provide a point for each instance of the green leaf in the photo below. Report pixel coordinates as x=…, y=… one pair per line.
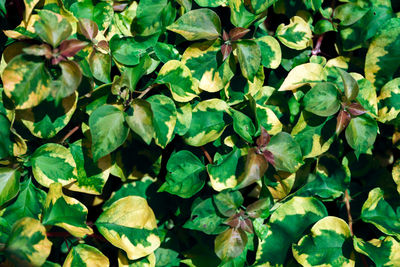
x=52, y=28
x=240, y=16
x=68, y=82
x=65, y=212
x=108, y=129
x=178, y=78
x=329, y=242
x=100, y=66
x=208, y=122
x=323, y=26
x=322, y=100
x=183, y=119
x=243, y=125
x=164, y=118
x=198, y=24
x=230, y=244
x=225, y=171
x=53, y=163
x=271, y=53
x=29, y=203
x=139, y=117
x=361, y=133
x=211, y=3
x=286, y=226
x=249, y=56
x=377, y=210
x=85, y=255
x=152, y=16
x=296, y=35
x=9, y=184
x=101, y=13
x=130, y=224
x=5, y=144
x=382, y=57
x=135, y=73
x=313, y=4
x=26, y=81
x=329, y=181
x=286, y=152
x=166, y=52
x=383, y=252
x=258, y=6
x=44, y=124
x=186, y=175
x=28, y=244
x=350, y=85
x=228, y=202
x=205, y=218
x=349, y=13
x=92, y=176
x=130, y=50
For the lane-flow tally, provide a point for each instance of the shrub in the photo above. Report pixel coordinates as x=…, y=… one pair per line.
x=200, y=133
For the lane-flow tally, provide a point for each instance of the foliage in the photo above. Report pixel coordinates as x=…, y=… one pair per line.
x=200, y=133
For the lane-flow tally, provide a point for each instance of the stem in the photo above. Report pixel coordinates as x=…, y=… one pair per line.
x=58, y=234
x=317, y=48
x=147, y=90
x=67, y=234
x=346, y=200
x=207, y=155
x=364, y=260
x=71, y=132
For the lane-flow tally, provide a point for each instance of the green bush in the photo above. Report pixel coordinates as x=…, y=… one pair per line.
x=200, y=133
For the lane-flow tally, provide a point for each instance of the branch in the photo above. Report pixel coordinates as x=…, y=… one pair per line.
x=68, y=135
x=145, y=91
x=346, y=200
x=317, y=48
x=207, y=155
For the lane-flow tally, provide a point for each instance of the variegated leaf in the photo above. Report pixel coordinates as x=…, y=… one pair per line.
x=53, y=163
x=130, y=224
x=65, y=212
x=27, y=243
x=85, y=255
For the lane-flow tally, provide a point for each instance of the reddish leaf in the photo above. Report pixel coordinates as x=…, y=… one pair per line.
x=230, y=243
x=246, y=225
x=269, y=157
x=58, y=59
x=237, y=33
x=88, y=28
x=39, y=50
x=103, y=45
x=225, y=36
x=69, y=48
x=234, y=221
x=118, y=6
x=355, y=109
x=255, y=168
x=226, y=50
x=264, y=138
x=342, y=121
